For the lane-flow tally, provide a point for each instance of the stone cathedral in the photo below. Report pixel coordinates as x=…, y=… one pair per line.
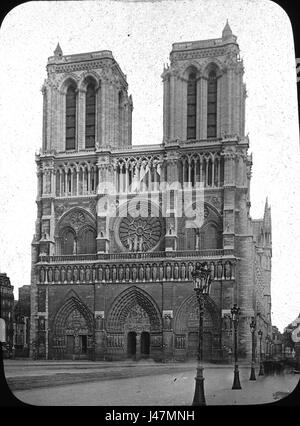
x=116, y=283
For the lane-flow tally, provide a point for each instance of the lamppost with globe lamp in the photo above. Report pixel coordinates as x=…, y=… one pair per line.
x=252, y=329
x=261, y=367
x=202, y=279
x=235, y=312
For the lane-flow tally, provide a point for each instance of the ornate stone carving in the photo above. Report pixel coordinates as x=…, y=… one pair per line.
x=77, y=219
x=59, y=209
x=141, y=233
x=138, y=319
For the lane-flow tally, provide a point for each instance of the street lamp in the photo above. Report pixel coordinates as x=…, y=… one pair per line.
x=202, y=279
x=261, y=367
x=235, y=312
x=252, y=329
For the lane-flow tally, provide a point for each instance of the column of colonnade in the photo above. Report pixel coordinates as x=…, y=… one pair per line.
x=75, y=181
x=137, y=176
x=206, y=169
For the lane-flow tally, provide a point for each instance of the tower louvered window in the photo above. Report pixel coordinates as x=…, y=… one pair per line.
x=212, y=105
x=70, y=118
x=191, y=106
x=90, y=109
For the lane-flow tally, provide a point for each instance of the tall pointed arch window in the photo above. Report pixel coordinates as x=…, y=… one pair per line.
x=90, y=115
x=120, y=116
x=212, y=105
x=191, y=105
x=71, y=117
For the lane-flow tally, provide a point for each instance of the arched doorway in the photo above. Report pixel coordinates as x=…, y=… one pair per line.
x=135, y=313
x=145, y=344
x=131, y=344
x=187, y=330
x=193, y=343
x=73, y=331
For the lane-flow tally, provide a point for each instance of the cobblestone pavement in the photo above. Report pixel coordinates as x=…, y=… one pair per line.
x=63, y=383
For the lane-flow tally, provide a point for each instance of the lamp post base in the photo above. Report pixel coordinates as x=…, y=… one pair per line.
x=199, y=397
x=252, y=374
x=236, y=379
x=261, y=369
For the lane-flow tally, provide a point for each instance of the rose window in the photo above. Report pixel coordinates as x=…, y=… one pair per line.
x=141, y=233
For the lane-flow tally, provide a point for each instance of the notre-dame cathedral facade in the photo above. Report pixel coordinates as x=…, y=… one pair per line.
x=113, y=280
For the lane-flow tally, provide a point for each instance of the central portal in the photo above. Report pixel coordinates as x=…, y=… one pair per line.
x=138, y=344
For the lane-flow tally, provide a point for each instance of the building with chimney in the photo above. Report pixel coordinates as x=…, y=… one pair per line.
x=6, y=311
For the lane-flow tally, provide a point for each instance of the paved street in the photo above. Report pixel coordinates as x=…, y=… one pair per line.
x=135, y=384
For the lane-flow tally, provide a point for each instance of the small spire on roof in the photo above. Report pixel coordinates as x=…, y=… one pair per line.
x=58, y=51
x=226, y=33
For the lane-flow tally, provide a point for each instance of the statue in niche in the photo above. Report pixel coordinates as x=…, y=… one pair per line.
x=227, y=268
x=114, y=273
x=171, y=229
x=69, y=274
x=220, y=270
x=75, y=274
x=121, y=273
x=99, y=322
x=154, y=272
x=135, y=243
x=191, y=268
x=94, y=275
x=130, y=244
x=75, y=246
x=148, y=272
x=176, y=271
x=161, y=271
x=140, y=244
x=134, y=273
x=167, y=322
x=127, y=273
x=50, y=277
x=88, y=274
x=183, y=271
x=141, y=272
x=197, y=244
x=56, y=275
x=212, y=270
x=42, y=275
x=81, y=274
x=168, y=271
x=100, y=273
x=63, y=274
x=107, y=273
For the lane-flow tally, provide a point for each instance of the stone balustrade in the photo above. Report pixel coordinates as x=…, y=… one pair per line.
x=203, y=255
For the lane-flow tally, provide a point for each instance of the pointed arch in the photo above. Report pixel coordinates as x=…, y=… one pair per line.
x=69, y=79
x=71, y=303
x=213, y=64
x=182, y=318
x=71, y=113
x=191, y=102
x=122, y=305
x=90, y=111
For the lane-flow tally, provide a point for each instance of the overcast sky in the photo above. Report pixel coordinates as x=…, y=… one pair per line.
x=140, y=35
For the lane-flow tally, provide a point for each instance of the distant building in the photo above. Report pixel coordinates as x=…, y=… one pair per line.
x=292, y=340
x=6, y=310
x=277, y=343
x=22, y=322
